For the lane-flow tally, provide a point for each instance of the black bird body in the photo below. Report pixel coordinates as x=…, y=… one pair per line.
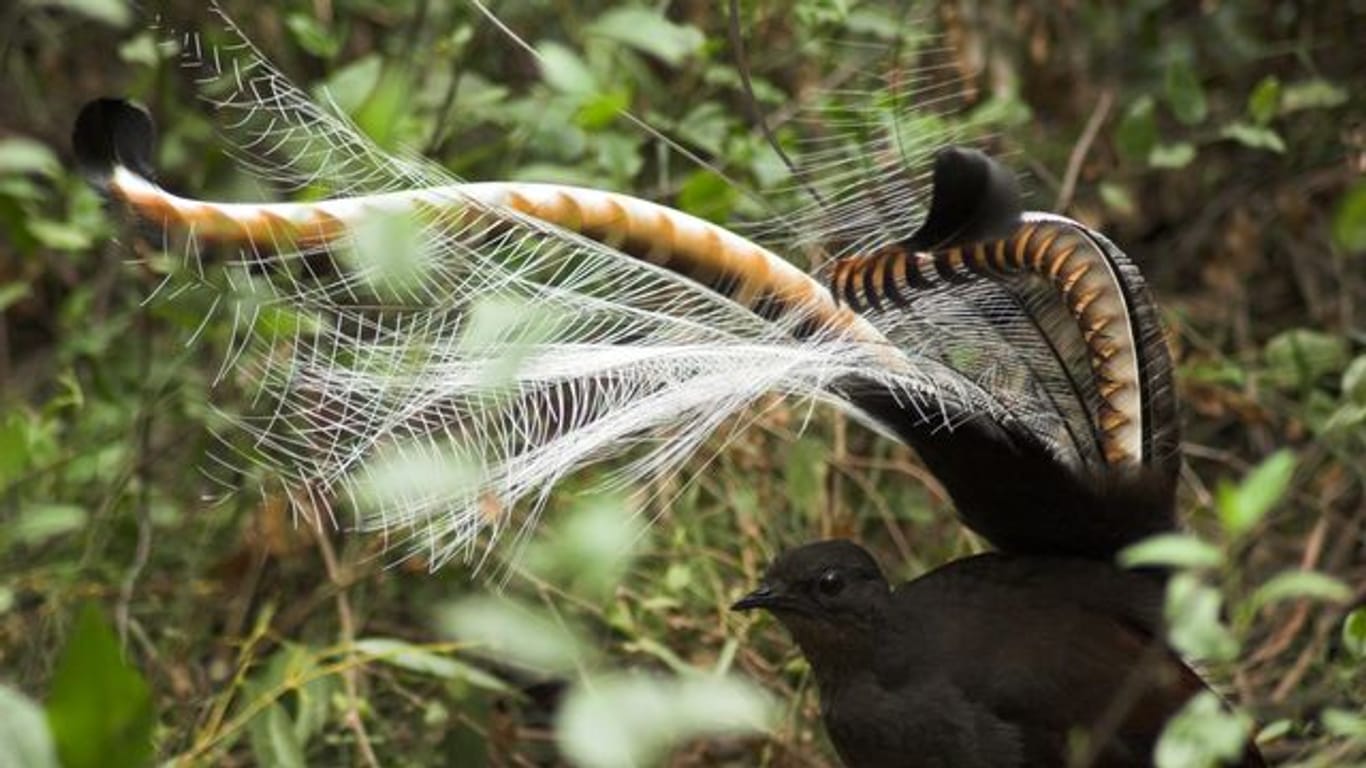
x=992, y=660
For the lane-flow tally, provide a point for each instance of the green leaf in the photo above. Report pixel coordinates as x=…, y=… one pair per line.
x=1175, y=550
x=504, y=333
x=1300, y=357
x=627, y=721
x=707, y=195
x=38, y=523
x=1349, y=220
x=1354, y=633
x=1136, y=135
x=648, y=31
x=1184, y=94
x=1294, y=584
x=514, y=633
x=1203, y=733
x=142, y=50
x=274, y=741
x=563, y=70
x=805, y=474
x=602, y=110
x=113, y=13
x=1242, y=506
x=592, y=548
x=1354, y=381
x=25, y=741
x=1312, y=94
x=1172, y=156
x=389, y=253
x=1265, y=100
x=350, y=86
x=404, y=474
x=59, y=235
x=312, y=35
x=1194, y=625
x=1117, y=198
x=1340, y=722
x=99, y=709
x=1254, y=136
x=20, y=155
x=12, y=293
x=405, y=655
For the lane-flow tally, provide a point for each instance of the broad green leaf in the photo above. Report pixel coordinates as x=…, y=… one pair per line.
x=1172, y=156
x=99, y=708
x=1184, y=93
x=591, y=548
x=564, y=71
x=1254, y=136
x=1341, y=722
x=20, y=155
x=59, y=235
x=405, y=655
x=1312, y=585
x=1136, y=135
x=350, y=86
x=1354, y=381
x=1243, y=505
x=112, y=13
x=38, y=523
x=12, y=293
x=514, y=633
x=627, y=721
x=1299, y=357
x=648, y=31
x=504, y=333
x=389, y=253
x=1312, y=94
x=1354, y=633
x=707, y=195
x=1265, y=100
x=1117, y=198
x=312, y=35
x=274, y=741
x=1175, y=550
x=143, y=50
x=1349, y=220
x=25, y=741
x=1194, y=625
x=1203, y=733
x=407, y=475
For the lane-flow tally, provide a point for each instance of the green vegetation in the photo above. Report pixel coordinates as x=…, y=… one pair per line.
x=1221, y=143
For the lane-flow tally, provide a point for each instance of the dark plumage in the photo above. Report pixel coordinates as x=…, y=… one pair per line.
x=994, y=660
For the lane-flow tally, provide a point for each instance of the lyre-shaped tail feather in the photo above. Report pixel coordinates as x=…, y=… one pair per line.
x=1082, y=323
x=650, y=328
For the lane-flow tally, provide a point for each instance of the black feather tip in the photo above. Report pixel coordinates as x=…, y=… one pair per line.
x=113, y=132
x=974, y=199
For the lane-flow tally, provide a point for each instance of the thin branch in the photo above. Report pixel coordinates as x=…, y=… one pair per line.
x=1082, y=147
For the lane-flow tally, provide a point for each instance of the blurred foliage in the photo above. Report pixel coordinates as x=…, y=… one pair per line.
x=1221, y=143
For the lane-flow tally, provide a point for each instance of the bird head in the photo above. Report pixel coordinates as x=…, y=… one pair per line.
x=826, y=593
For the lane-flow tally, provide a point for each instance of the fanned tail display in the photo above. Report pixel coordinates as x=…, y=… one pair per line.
x=519, y=331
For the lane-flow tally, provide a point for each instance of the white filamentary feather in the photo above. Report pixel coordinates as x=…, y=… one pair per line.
x=490, y=352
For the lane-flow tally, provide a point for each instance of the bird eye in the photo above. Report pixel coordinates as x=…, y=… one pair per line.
x=830, y=583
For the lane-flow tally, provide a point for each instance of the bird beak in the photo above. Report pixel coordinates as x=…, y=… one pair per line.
x=763, y=596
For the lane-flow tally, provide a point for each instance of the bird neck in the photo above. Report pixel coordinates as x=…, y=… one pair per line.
x=839, y=651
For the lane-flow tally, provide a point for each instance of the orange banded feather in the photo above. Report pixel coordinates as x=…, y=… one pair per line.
x=1050, y=248
x=699, y=250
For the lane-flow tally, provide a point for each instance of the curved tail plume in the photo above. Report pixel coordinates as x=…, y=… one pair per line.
x=524, y=330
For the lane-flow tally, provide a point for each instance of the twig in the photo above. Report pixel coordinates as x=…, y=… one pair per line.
x=348, y=638
x=1082, y=147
